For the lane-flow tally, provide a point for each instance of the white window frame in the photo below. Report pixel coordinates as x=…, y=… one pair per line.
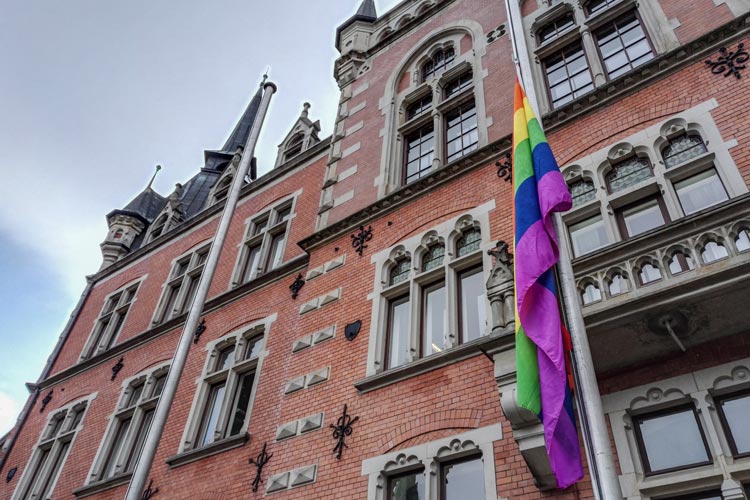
x=430, y=456
x=699, y=388
x=208, y=376
x=109, y=336
x=181, y=283
x=263, y=240
x=448, y=232
x=146, y=401
x=65, y=435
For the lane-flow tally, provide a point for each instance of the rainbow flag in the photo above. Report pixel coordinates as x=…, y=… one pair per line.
x=543, y=384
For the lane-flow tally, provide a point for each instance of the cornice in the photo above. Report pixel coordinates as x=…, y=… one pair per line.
x=409, y=193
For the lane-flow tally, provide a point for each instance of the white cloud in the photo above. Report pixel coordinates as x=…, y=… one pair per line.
x=9, y=409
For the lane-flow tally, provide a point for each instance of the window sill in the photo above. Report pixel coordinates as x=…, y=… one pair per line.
x=494, y=341
x=99, y=486
x=207, y=451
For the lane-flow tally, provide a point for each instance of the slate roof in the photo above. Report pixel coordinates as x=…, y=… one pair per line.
x=366, y=13
x=146, y=206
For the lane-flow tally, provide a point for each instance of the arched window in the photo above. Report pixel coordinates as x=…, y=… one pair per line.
x=582, y=191
x=399, y=272
x=649, y=273
x=468, y=242
x=682, y=148
x=294, y=147
x=742, y=242
x=595, y=6
x=222, y=188
x=158, y=227
x=713, y=251
x=617, y=285
x=628, y=173
x=433, y=257
x=439, y=62
x=680, y=262
x=553, y=29
x=419, y=106
x=591, y=294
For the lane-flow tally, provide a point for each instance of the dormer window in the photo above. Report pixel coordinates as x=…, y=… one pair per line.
x=222, y=189
x=158, y=228
x=294, y=147
x=440, y=61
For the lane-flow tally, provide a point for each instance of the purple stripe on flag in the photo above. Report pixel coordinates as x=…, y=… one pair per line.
x=536, y=251
x=553, y=197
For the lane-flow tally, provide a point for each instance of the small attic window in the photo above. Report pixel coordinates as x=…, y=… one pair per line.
x=294, y=147
x=222, y=188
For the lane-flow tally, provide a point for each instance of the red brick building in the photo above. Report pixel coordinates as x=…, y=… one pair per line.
x=389, y=222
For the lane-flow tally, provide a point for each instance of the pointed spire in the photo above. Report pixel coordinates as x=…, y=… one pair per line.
x=367, y=9
x=241, y=131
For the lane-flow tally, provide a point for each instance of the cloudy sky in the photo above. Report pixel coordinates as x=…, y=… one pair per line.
x=93, y=94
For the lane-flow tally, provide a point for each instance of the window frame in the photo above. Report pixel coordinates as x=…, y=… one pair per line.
x=648, y=472
x=545, y=63
x=620, y=214
x=52, y=450
x=718, y=401
x=175, y=300
x=118, y=453
x=619, y=17
x=242, y=339
x=260, y=232
x=101, y=339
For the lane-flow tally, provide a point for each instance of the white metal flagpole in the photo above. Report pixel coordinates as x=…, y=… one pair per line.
x=598, y=449
x=146, y=459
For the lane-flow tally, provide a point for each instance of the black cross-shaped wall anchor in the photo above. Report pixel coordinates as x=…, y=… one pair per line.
x=149, y=492
x=116, y=369
x=46, y=400
x=199, y=331
x=259, y=462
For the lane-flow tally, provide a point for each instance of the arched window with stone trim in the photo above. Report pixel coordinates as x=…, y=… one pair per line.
x=590, y=293
x=649, y=272
x=438, y=62
x=399, y=271
x=158, y=227
x=680, y=261
x=469, y=242
x=618, y=283
x=713, y=250
x=433, y=257
x=582, y=191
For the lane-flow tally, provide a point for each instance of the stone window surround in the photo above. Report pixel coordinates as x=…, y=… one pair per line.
x=448, y=232
x=700, y=388
x=240, y=335
x=429, y=457
x=148, y=377
x=658, y=29
x=264, y=237
x=81, y=401
x=393, y=103
x=89, y=350
x=160, y=314
x=220, y=186
x=650, y=142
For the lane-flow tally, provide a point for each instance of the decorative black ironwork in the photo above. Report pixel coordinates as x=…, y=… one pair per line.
x=149, y=492
x=730, y=63
x=297, y=286
x=46, y=400
x=341, y=430
x=360, y=239
x=352, y=330
x=116, y=369
x=259, y=462
x=199, y=331
x=11, y=474
x=505, y=168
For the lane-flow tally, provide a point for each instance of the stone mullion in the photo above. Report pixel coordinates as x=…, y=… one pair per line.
x=592, y=54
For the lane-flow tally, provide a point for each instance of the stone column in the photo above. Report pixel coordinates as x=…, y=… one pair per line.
x=592, y=55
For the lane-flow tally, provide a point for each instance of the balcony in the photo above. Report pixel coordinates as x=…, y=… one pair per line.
x=669, y=289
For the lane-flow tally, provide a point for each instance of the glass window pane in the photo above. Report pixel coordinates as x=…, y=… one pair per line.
x=135, y=394
x=736, y=412
x=464, y=480
x=159, y=385
x=140, y=438
x=433, y=257
x=241, y=403
x=700, y=191
x=211, y=415
x=254, y=346
x=253, y=262
x=398, y=334
x=642, y=218
x=473, y=311
x=225, y=358
x=53, y=472
x=118, y=442
x=41, y=462
x=435, y=318
x=469, y=242
x=672, y=441
x=276, y=255
x=407, y=487
x=588, y=236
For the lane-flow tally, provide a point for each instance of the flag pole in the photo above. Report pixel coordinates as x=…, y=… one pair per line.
x=598, y=450
x=146, y=458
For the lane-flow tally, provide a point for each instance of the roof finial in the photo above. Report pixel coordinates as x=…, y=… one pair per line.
x=158, y=167
x=305, y=109
x=265, y=76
